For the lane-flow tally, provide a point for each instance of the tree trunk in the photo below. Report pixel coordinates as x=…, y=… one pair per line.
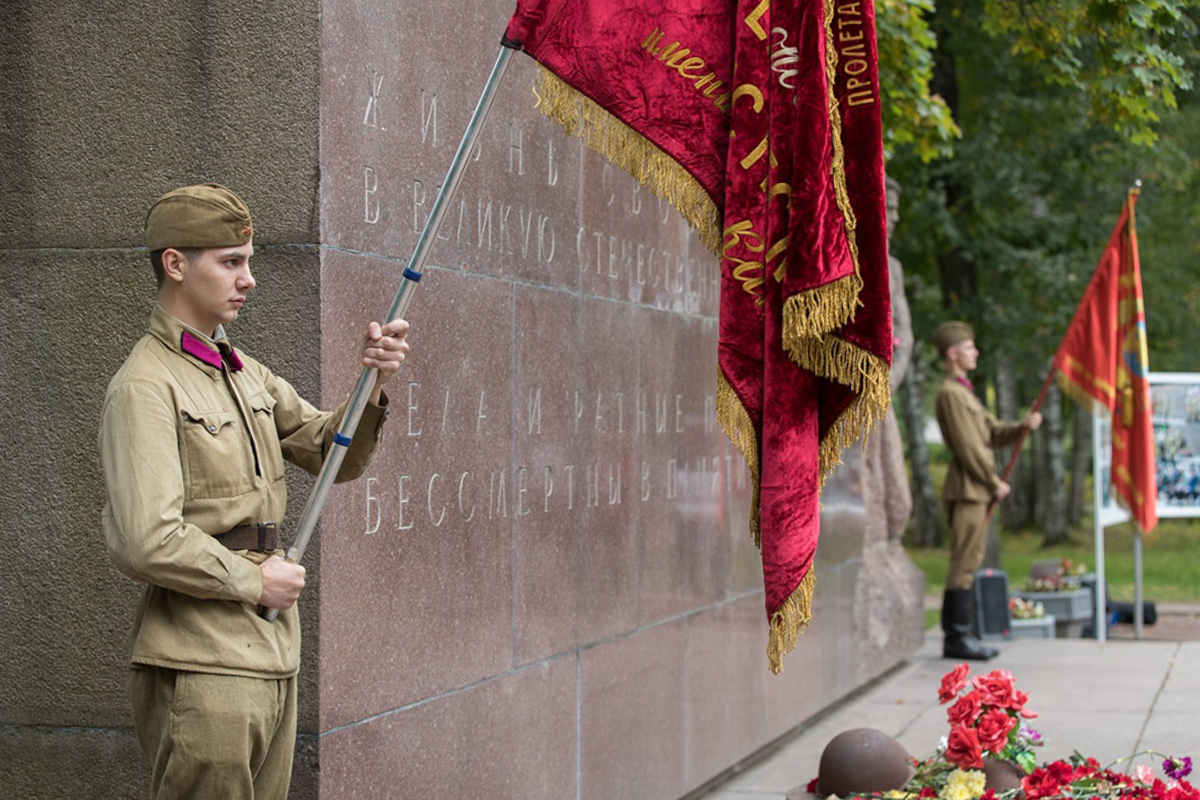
x=1054, y=490
x=1081, y=461
x=927, y=529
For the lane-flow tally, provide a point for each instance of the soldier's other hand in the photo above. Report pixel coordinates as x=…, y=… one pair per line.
x=281, y=583
x=1033, y=420
x=1003, y=490
x=384, y=348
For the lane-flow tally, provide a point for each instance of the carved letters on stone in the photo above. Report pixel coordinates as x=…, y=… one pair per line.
x=634, y=245
x=415, y=502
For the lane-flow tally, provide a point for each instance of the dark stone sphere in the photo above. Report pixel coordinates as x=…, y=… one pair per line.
x=863, y=760
x=1001, y=775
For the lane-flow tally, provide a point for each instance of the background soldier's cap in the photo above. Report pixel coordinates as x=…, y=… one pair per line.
x=951, y=333
x=206, y=215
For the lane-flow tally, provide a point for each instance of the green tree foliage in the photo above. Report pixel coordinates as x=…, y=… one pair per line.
x=1062, y=105
x=1124, y=58
x=913, y=116
x=1056, y=109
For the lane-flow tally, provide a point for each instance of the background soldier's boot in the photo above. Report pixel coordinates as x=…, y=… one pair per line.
x=956, y=623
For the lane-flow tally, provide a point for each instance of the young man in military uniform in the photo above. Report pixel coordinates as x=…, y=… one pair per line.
x=970, y=431
x=193, y=437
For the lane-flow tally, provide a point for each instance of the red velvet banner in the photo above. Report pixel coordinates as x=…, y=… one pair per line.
x=759, y=120
x=1103, y=359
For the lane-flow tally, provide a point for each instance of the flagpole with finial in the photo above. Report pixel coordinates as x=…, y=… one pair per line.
x=412, y=275
x=1100, y=618
x=1138, y=612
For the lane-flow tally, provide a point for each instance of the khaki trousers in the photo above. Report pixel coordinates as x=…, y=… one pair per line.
x=214, y=737
x=968, y=541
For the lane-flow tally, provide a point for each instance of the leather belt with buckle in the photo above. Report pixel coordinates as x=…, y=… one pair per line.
x=262, y=537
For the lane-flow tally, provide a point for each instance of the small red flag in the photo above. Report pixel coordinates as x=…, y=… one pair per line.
x=1104, y=360
x=759, y=121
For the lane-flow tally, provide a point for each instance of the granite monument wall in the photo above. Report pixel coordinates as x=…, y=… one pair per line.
x=544, y=586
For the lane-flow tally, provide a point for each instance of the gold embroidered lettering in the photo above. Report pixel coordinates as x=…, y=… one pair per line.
x=752, y=19
x=751, y=91
x=690, y=67
x=754, y=155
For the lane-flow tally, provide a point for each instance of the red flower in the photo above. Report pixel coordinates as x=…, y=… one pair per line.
x=997, y=689
x=953, y=682
x=962, y=748
x=927, y=792
x=965, y=711
x=811, y=788
x=1047, y=781
x=994, y=726
x=1183, y=791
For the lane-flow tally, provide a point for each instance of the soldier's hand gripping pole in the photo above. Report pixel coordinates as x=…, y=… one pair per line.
x=412, y=275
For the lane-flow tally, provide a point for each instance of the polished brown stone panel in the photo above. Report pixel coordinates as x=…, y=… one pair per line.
x=725, y=676
x=577, y=456
x=633, y=246
x=511, y=737
x=632, y=716
x=685, y=546
x=392, y=123
x=415, y=559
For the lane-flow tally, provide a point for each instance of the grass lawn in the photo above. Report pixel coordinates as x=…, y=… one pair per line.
x=1170, y=561
x=1170, y=555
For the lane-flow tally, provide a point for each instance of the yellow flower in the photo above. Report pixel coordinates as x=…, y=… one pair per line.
x=963, y=785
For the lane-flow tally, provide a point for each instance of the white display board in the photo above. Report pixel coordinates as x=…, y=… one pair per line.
x=1175, y=406
x=1175, y=400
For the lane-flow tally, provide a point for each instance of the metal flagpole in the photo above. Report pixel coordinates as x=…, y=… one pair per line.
x=1101, y=620
x=412, y=275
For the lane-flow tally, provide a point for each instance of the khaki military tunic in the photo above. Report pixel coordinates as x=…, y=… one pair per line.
x=193, y=437
x=970, y=431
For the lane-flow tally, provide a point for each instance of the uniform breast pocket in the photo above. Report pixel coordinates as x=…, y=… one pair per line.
x=216, y=454
x=262, y=407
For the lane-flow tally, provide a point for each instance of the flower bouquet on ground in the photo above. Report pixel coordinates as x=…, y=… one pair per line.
x=1020, y=608
x=989, y=755
x=1066, y=576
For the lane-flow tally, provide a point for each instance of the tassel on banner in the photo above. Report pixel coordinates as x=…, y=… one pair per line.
x=629, y=150
x=789, y=621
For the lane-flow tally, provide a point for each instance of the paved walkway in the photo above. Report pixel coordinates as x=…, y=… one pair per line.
x=1107, y=699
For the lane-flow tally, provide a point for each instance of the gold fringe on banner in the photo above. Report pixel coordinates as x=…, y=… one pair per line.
x=865, y=373
x=626, y=148
x=736, y=422
x=818, y=311
x=789, y=621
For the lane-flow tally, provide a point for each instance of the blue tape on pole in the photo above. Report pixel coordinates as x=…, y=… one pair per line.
x=412, y=275
x=344, y=441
